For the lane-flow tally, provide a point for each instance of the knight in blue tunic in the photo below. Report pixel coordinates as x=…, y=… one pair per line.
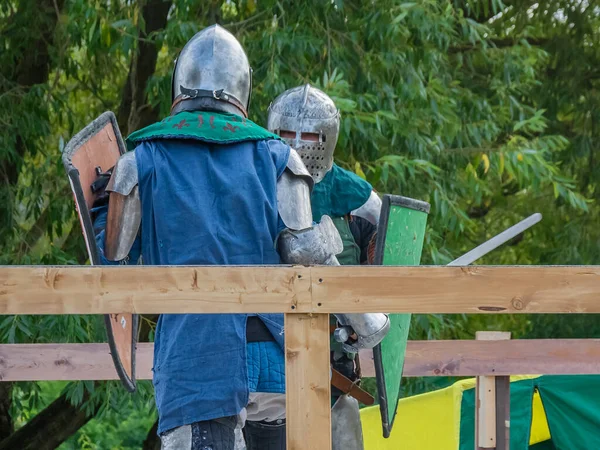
x=206, y=186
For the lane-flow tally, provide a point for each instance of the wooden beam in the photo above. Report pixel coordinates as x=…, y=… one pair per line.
x=485, y=413
x=47, y=362
x=308, y=392
x=67, y=362
x=447, y=290
x=503, y=413
x=280, y=289
x=153, y=290
x=491, y=420
x=468, y=358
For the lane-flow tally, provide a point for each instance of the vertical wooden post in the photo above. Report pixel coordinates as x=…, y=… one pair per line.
x=503, y=413
x=307, y=376
x=492, y=404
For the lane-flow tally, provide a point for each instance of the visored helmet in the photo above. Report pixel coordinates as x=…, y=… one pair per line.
x=308, y=120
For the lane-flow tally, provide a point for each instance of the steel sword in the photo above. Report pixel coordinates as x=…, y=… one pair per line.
x=496, y=241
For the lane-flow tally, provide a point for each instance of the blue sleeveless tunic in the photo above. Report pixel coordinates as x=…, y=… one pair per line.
x=207, y=204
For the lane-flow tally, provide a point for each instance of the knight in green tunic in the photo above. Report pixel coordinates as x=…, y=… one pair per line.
x=308, y=120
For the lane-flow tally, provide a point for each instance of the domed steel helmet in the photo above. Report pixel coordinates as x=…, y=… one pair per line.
x=308, y=120
x=212, y=72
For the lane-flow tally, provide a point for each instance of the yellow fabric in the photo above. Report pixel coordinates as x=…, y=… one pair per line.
x=539, y=425
x=426, y=421
x=431, y=421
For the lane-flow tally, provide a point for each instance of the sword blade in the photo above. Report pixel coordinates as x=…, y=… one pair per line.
x=496, y=241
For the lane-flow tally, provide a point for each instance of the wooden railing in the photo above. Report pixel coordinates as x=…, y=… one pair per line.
x=460, y=358
x=307, y=295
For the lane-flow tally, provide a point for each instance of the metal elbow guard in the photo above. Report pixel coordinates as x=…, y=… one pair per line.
x=315, y=245
x=369, y=330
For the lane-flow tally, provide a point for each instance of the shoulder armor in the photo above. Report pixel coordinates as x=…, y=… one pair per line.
x=293, y=194
x=124, y=208
x=370, y=210
x=125, y=175
x=297, y=167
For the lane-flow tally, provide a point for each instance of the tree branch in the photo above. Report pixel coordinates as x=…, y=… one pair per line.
x=48, y=429
x=498, y=43
x=32, y=68
x=134, y=112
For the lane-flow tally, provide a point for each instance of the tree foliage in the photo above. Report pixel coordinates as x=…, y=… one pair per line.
x=487, y=110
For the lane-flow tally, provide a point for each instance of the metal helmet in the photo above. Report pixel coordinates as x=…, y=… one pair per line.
x=212, y=72
x=308, y=120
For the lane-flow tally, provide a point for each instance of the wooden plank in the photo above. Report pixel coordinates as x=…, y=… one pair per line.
x=503, y=413
x=488, y=423
x=47, y=362
x=152, y=290
x=492, y=335
x=307, y=367
x=235, y=289
x=468, y=358
x=485, y=412
x=446, y=290
x=67, y=362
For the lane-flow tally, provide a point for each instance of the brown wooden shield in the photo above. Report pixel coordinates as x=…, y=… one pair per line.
x=98, y=147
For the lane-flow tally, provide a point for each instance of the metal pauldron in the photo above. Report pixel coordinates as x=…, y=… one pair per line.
x=293, y=194
x=124, y=208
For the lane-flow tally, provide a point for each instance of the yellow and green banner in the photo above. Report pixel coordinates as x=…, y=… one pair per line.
x=547, y=412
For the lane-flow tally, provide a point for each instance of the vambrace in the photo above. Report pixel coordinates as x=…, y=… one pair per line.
x=315, y=245
x=360, y=331
x=302, y=242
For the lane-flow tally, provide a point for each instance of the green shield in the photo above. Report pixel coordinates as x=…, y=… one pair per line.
x=400, y=238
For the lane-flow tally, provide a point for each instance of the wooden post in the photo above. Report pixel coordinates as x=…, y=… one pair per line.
x=307, y=374
x=492, y=404
x=503, y=413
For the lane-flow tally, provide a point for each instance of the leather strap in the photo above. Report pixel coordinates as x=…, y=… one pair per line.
x=347, y=386
x=191, y=94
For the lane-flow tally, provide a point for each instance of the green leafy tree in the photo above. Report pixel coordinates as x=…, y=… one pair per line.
x=487, y=110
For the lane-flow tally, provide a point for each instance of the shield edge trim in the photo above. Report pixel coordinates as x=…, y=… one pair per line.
x=84, y=218
x=129, y=383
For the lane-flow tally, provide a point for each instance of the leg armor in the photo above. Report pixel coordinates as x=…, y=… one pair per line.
x=217, y=434
x=265, y=435
x=305, y=244
x=346, y=429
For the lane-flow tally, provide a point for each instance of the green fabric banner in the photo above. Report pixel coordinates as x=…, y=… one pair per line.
x=572, y=405
x=521, y=397
x=572, y=408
